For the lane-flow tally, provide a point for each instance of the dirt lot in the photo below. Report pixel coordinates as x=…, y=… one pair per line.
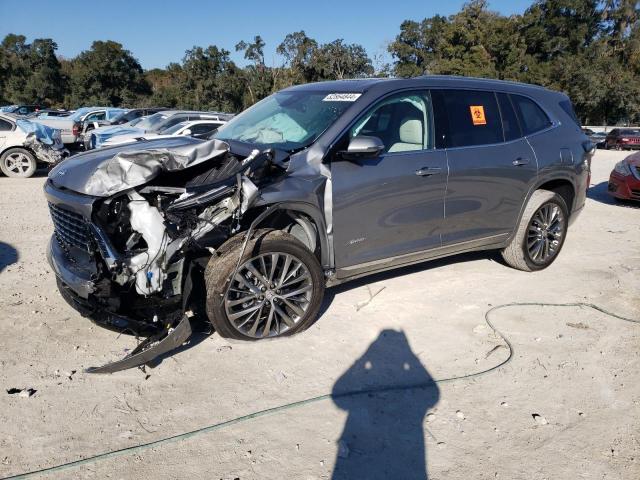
x=566, y=407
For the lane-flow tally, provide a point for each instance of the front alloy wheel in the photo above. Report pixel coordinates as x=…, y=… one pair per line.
x=18, y=163
x=276, y=291
x=269, y=295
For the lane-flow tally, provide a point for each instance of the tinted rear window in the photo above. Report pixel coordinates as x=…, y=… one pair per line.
x=510, y=122
x=532, y=117
x=568, y=109
x=5, y=126
x=466, y=117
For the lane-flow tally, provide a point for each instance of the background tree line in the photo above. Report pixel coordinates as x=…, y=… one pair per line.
x=589, y=49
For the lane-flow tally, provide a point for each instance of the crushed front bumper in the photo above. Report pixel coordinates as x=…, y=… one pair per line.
x=76, y=287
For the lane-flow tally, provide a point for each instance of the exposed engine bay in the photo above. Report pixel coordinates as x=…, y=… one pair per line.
x=156, y=217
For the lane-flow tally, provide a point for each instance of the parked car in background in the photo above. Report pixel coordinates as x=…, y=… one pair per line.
x=624, y=181
x=25, y=144
x=20, y=109
x=623, y=139
x=192, y=128
x=313, y=186
x=71, y=127
x=90, y=138
x=129, y=115
x=597, y=138
x=48, y=113
x=155, y=123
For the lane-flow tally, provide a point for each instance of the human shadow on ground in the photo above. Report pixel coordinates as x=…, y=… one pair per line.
x=383, y=436
x=8, y=255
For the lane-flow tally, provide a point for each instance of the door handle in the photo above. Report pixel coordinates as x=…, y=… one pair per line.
x=428, y=171
x=520, y=161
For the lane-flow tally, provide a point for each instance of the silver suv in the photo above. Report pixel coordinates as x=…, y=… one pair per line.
x=311, y=187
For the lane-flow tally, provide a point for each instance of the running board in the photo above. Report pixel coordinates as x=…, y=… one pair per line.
x=150, y=348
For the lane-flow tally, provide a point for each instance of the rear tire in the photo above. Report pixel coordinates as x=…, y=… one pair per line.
x=540, y=234
x=277, y=292
x=18, y=163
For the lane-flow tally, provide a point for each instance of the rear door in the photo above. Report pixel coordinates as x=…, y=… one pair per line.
x=5, y=130
x=491, y=165
x=393, y=204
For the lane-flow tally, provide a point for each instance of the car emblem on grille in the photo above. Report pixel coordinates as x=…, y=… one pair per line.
x=61, y=173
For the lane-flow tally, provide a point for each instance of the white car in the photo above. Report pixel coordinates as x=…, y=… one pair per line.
x=193, y=128
x=25, y=144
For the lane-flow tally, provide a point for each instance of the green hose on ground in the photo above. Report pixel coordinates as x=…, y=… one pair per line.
x=300, y=403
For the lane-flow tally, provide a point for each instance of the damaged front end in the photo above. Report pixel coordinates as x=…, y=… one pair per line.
x=43, y=141
x=134, y=230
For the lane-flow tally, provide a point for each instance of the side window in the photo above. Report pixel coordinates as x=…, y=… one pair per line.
x=203, y=128
x=401, y=121
x=5, y=126
x=510, y=123
x=466, y=117
x=173, y=121
x=94, y=117
x=568, y=109
x=532, y=117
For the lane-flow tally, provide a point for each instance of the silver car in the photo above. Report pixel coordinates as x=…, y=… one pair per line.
x=25, y=144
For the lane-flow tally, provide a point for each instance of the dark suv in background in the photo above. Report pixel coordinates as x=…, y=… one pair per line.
x=313, y=186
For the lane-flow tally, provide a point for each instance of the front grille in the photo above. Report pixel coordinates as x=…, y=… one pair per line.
x=70, y=228
x=635, y=193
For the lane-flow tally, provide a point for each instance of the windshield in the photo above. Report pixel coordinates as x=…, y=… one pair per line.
x=630, y=131
x=152, y=120
x=174, y=129
x=287, y=120
x=135, y=121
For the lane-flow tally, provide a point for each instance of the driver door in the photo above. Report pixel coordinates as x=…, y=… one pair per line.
x=391, y=204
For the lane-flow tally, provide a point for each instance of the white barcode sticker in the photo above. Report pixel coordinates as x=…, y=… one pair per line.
x=341, y=97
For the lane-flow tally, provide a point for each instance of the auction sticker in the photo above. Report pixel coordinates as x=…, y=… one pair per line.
x=477, y=115
x=342, y=97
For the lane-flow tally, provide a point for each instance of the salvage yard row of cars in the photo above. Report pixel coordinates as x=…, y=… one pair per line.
x=30, y=138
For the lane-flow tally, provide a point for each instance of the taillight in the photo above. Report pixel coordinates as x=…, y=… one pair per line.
x=76, y=129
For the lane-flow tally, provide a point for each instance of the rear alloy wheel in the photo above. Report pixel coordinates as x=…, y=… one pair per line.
x=18, y=162
x=276, y=291
x=541, y=233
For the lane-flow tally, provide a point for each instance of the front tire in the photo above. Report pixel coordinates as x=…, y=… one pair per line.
x=540, y=234
x=18, y=163
x=277, y=291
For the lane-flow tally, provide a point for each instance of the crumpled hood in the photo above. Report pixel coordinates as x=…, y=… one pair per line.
x=106, y=171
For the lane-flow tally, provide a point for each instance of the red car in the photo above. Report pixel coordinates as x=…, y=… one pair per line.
x=624, y=182
x=623, y=139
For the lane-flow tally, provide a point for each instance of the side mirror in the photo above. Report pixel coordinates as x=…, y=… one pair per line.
x=186, y=132
x=362, y=147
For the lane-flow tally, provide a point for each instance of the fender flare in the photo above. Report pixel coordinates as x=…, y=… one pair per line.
x=539, y=181
x=316, y=216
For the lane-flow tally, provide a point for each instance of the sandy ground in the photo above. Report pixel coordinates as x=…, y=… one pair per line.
x=566, y=407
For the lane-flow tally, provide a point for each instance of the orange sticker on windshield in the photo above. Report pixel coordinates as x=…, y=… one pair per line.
x=477, y=115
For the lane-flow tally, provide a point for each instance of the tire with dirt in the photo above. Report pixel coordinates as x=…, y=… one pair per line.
x=277, y=291
x=540, y=234
x=18, y=163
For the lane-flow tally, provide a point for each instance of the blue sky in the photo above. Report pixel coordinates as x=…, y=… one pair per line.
x=158, y=32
